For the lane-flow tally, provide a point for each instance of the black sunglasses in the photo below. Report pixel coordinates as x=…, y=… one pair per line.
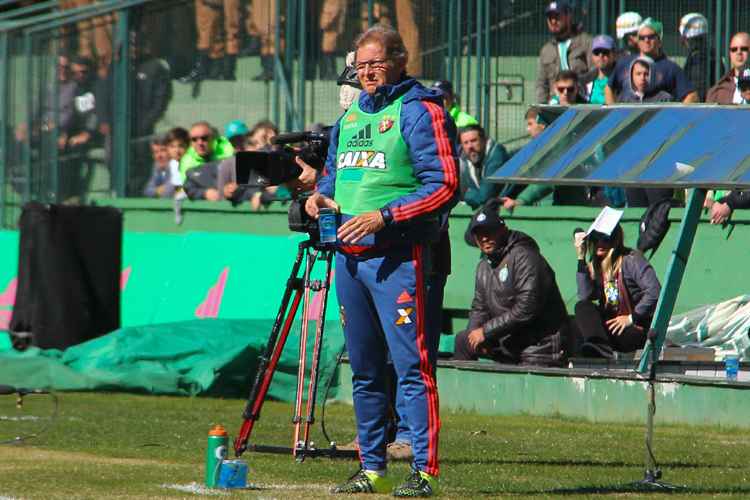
x=601, y=52
x=739, y=49
x=566, y=90
x=647, y=37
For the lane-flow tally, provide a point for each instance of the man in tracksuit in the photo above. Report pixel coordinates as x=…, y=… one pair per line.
x=392, y=173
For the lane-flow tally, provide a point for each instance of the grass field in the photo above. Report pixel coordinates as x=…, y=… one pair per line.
x=128, y=446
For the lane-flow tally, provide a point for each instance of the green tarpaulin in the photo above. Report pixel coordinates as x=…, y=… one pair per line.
x=211, y=356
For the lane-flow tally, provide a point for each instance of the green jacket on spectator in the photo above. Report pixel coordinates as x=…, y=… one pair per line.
x=461, y=118
x=221, y=148
x=474, y=186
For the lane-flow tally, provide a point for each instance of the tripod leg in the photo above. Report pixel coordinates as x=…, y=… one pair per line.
x=311, y=256
x=269, y=359
x=320, y=326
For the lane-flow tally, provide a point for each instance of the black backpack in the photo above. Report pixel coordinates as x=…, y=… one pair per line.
x=654, y=226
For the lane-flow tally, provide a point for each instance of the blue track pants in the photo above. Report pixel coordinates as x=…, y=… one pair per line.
x=383, y=302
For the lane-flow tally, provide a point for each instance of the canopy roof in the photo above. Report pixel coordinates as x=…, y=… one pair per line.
x=638, y=145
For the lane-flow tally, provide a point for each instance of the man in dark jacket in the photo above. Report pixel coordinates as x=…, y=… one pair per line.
x=516, y=300
x=726, y=90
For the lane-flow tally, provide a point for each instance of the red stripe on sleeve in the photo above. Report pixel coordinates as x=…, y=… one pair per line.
x=448, y=163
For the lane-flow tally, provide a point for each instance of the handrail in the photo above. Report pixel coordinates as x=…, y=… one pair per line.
x=30, y=21
x=29, y=9
x=100, y=11
x=69, y=16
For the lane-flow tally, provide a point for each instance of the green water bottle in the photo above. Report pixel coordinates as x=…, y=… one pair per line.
x=216, y=452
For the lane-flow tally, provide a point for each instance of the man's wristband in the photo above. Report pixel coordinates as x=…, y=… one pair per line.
x=387, y=215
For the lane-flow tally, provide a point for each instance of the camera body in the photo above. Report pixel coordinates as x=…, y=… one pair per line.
x=300, y=221
x=271, y=168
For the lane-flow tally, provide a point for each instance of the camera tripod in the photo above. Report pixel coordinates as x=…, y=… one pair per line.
x=310, y=251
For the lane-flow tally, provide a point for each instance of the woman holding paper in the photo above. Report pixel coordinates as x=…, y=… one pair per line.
x=617, y=290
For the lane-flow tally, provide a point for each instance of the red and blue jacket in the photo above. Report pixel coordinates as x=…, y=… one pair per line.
x=430, y=134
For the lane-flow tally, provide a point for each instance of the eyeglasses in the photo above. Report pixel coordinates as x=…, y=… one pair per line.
x=647, y=37
x=601, y=52
x=566, y=90
x=377, y=64
x=200, y=138
x=739, y=49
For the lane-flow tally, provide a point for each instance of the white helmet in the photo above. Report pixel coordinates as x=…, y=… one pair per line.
x=628, y=22
x=693, y=24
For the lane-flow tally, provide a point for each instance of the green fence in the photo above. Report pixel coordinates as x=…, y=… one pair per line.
x=286, y=53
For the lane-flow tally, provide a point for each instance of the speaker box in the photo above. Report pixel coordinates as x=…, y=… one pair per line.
x=68, y=274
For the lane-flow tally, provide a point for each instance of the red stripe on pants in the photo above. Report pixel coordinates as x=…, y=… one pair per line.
x=427, y=370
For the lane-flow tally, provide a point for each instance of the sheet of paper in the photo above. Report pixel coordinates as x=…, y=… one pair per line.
x=606, y=221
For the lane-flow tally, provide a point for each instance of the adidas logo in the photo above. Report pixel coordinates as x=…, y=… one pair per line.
x=362, y=139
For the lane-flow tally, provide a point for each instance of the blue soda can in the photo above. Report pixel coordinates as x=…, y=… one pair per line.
x=732, y=366
x=327, y=225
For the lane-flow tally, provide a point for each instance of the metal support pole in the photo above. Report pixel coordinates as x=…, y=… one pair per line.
x=447, y=15
x=603, y=16
x=49, y=139
x=5, y=71
x=288, y=61
x=370, y=12
x=299, y=122
x=122, y=122
x=727, y=35
x=480, y=66
x=26, y=148
x=673, y=278
x=719, y=18
x=275, y=95
x=487, y=66
x=459, y=49
x=469, y=15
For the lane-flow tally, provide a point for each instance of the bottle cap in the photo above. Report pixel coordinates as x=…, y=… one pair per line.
x=217, y=430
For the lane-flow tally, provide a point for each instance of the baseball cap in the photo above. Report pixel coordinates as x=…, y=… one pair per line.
x=655, y=25
x=558, y=7
x=444, y=86
x=628, y=22
x=487, y=217
x=602, y=42
x=692, y=25
x=234, y=128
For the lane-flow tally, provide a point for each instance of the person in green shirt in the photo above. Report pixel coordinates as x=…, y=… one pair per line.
x=206, y=145
x=450, y=102
x=603, y=56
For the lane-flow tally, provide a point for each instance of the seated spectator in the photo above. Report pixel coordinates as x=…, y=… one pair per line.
x=603, y=57
x=642, y=88
x=226, y=183
x=207, y=146
x=627, y=25
x=200, y=182
x=666, y=74
x=617, y=292
x=450, y=103
x=178, y=140
x=262, y=133
x=567, y=50
x=567, y=90
x=480, y=158
x=517, y=303
x=160, y=183
x=726, y=90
